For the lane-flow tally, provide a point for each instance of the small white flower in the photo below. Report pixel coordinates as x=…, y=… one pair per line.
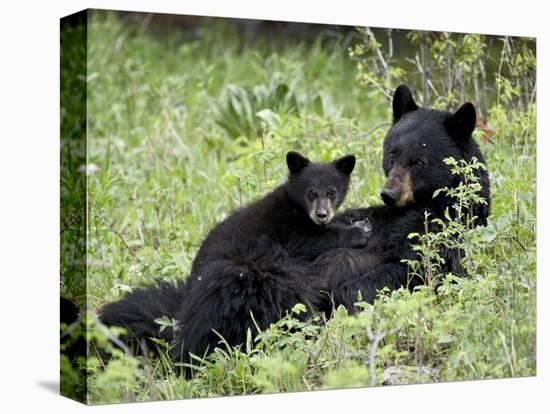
x=88, y=169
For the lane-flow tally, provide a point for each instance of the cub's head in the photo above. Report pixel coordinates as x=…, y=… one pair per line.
x=318, y=188
x=417, y=143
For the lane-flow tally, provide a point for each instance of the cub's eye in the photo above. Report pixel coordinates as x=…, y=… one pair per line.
x=311, y=195
x=331, y=193
x=391, y=157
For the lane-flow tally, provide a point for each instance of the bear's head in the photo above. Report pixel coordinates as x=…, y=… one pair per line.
x=415, y=147
x=318, y=189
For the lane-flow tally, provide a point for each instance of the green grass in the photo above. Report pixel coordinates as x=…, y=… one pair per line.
x=168, y=171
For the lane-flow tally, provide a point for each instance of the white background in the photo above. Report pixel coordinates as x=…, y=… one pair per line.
x=29, y=208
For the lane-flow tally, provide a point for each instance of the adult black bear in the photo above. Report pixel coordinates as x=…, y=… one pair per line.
x=253, y=266
x=414, y=149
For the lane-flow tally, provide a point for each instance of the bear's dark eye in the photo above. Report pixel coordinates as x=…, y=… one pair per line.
x=391, y=157
x=331, y=193
x=418, y=163
x=311, y=195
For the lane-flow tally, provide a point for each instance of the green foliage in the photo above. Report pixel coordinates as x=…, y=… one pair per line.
x=73, y=364
x=448, y=68
x=376, y=66
x=166, y=171
x=73, y=153
x=457, y=230
x=244, y=110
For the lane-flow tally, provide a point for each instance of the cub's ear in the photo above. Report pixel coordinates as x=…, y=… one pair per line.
x=403, y=102
x=461, y=124
x=296, y=162
x=345, y=164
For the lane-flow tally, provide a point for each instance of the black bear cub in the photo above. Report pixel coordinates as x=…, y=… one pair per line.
x=413, y=153
x=253, y=266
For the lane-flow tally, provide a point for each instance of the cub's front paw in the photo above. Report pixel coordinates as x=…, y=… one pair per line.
x=364, y=225
x=351, y=216
x=357, y=237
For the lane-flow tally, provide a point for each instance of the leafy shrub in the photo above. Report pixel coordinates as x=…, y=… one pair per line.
x=243, y=110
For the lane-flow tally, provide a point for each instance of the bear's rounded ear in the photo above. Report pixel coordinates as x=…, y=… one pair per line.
x=461, y=124
x=345, y=164
x=296, y=162
x=403, y=102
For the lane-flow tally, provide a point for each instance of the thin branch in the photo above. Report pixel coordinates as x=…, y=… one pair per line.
x=115, y=231
x=374, y=340
x=70, y=329
x=105, y=331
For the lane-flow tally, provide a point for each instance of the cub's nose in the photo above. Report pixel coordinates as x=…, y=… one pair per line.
x=321, y=215
x=389, y=197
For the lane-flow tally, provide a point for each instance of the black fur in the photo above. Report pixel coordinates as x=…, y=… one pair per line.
x=69, y=314
x=252, y=267
x=421, y=139
x=137, y=312
x=415, y=147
